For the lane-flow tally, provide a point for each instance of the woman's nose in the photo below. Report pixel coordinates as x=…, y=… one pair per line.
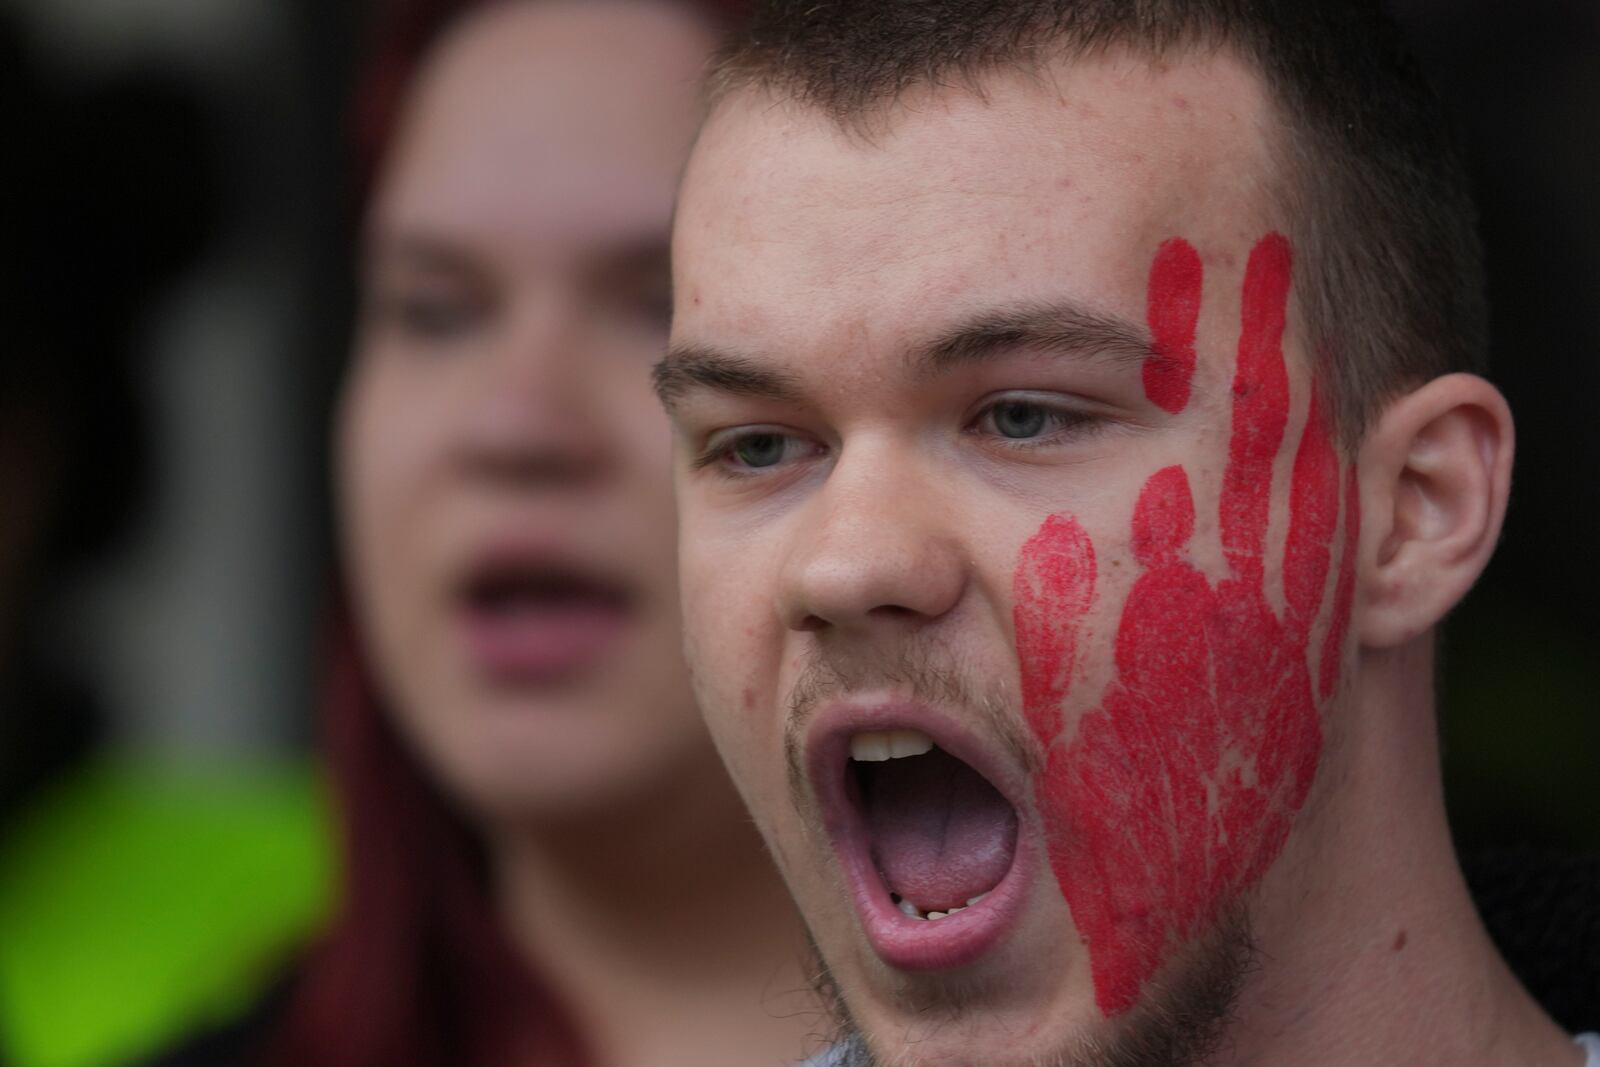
x=538, y=412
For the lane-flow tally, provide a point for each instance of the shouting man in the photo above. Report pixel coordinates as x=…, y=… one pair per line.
x=1079, y=446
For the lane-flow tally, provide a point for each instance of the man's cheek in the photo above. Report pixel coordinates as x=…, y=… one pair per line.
x=1125, y=791
x=732, y=714
x=704, y=638
x=727, y=639
x=1174, y=793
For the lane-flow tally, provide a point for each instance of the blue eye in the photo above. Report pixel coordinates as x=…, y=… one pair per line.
x=1025, y=422
x=759, y=450
x=756, y=450
x=1018, y=420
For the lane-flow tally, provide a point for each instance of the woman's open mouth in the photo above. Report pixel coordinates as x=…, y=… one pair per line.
x=533, y=621
x=931, y=849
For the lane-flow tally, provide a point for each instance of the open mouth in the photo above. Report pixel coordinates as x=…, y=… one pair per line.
x=530, y=622
x=931, y=848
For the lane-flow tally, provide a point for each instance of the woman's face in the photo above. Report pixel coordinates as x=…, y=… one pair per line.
x=505, y=469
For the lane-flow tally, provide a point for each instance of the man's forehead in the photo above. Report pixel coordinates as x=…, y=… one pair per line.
x=1044, y=183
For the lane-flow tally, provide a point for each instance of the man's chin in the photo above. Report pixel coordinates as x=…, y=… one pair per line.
x=1181, y=1019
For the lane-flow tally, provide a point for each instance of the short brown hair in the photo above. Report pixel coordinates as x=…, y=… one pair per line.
x=1393, y=292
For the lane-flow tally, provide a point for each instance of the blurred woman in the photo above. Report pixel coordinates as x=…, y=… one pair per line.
x=545, y=863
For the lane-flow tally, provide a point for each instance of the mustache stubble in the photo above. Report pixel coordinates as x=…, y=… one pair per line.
x=920, y=671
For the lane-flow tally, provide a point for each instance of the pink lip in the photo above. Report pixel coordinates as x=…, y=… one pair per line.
x=542, y=645
x=544, y=641
x=899, y=940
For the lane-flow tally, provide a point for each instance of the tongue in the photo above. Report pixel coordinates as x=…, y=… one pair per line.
x=941, y=834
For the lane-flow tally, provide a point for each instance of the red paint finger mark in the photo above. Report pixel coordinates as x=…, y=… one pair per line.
x=1164, y=519
x=1138, y=771
x=1176, y=794
x=1173, y=312
x=1260, y=405
x=1053, y=588
x=1344, y=593
x=1313, y=518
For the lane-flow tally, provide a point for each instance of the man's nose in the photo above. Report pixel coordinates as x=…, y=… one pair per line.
x=537, y=413
x=876, y=548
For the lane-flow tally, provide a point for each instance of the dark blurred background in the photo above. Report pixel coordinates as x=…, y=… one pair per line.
x=174, y=240
x=176, y=226
x=1520, y=706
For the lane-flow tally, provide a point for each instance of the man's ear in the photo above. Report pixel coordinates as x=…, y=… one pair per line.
x=1435, y=476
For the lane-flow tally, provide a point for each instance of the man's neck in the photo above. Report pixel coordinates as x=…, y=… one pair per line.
x=1372, y=951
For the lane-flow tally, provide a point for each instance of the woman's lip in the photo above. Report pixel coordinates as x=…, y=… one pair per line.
x=535, y=639
x=900, y=940
x=519, y=552
x=542, y=643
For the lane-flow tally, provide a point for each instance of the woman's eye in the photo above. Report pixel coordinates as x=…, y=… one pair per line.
x=648, y=306
x=437, y=319
x=428, y=318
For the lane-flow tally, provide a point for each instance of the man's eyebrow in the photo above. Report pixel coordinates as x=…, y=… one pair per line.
x=1060, y=328
x=689, y=367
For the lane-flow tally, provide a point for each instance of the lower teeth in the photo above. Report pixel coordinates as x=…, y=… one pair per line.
x=911, y=911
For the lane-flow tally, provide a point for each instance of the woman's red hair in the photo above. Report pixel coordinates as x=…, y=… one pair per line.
x=416, y=969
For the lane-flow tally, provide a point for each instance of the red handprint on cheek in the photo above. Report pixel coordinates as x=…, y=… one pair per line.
x=1178, y=791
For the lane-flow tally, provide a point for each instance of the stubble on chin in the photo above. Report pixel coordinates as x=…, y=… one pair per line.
x=1183, y=1020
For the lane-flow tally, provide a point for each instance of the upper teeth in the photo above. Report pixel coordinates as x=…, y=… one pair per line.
x=889, y=744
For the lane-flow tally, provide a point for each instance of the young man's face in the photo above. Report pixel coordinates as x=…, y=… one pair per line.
x=1013, y=565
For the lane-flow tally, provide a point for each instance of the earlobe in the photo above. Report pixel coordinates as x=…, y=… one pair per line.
x=1435, y=478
